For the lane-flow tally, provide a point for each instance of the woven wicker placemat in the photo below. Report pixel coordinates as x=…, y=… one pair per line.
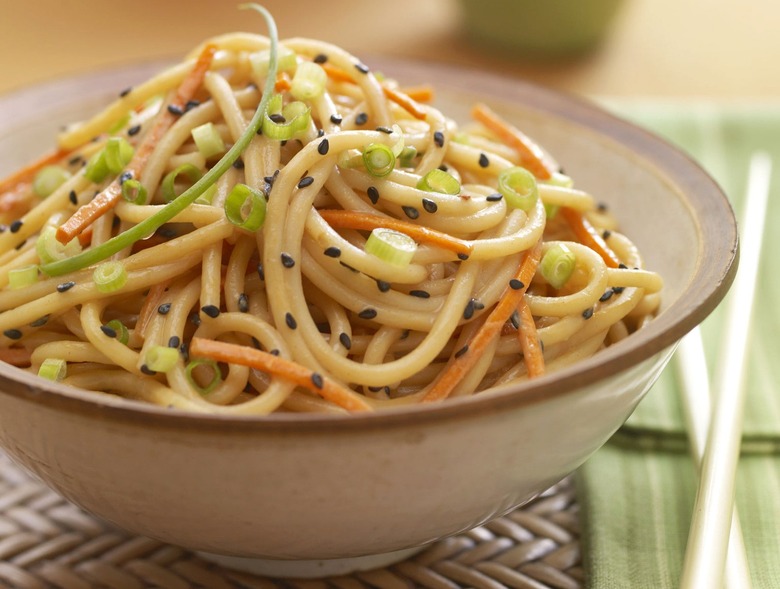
x=46, y=542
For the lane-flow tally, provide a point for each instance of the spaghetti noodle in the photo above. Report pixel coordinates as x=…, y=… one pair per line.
x=374, y=253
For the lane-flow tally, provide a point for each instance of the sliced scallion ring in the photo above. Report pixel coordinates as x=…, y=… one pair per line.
x=48, y=179
x=378, y=159
x=168, y=185
x=391, y=246
x=208, y=140
x=557, y=265
x=282, y=124
x=309, y=81
x=261, y=59
x=54, y=369
x=24, y=276
x=439, y=181
x=122, y=333
x=110, y=276
x=118, y=153
x=161, y=358
x=49, y=249
x=519, y=188
x=245, y=207
x=203, y=369
x=134, y=192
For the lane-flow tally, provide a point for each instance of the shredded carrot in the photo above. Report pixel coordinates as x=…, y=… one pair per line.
x=588, y=235
x=531, y=155
x=465, y=359
x=287, y=369
x=85, y=237
x=27, y=173
x=533, y=356
x=337, y=219
x=405, y=102
x=108, y=198
x=337, y=74
x=283, y=82
x=423, y=93
x=16, y=356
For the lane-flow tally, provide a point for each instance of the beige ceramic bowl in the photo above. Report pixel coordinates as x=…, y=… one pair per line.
x=310, y=487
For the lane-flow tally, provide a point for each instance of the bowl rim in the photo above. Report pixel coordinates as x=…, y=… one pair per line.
x=716, y=262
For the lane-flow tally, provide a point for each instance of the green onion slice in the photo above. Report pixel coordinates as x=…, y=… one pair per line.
x=110, y=276
x=309, y=81
x=260, y=61
x=378, y=159
x=50, y=250
x=519, y=188
x=54, y=369
x=24, y=276
x=149, y=225
x=161, y=358
x=557, y=265
x=122, y=333
x=118, y=153
x=407, y=155
x=49, y=179
x=134, y=192
x=245, y=207
x=439, y=181
x=168, y=185
x=391, y=246
x=211, y=370
x=208, y=140
x=96, y=170
x=295, y=117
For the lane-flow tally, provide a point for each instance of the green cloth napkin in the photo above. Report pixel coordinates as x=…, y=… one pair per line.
x=637, y=493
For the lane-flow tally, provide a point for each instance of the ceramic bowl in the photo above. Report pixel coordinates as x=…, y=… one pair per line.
x=304, y=487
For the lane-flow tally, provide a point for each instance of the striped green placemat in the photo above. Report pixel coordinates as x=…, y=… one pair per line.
x=637, y=493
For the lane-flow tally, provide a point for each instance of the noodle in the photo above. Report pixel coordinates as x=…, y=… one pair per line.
x=300, y=314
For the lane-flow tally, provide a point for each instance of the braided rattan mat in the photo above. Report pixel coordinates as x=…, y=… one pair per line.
x=45, y=542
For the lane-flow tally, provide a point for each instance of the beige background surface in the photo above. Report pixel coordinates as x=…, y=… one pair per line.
x=718, y=49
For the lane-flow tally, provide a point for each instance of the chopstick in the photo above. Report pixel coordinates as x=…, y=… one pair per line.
x=711, y=525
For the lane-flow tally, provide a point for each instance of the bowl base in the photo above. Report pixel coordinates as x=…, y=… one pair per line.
x=309, y=569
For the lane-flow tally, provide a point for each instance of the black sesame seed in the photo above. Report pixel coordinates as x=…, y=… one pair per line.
x=320, y=58
x=146, y=370
x=494, y=197
x=195, y=319
x=290, y=321
x=420, y=294
x=367, y=313
x=438, y=138
x=21, y=245
x=134, y=130
x=387, y=130
x=515, y=319
x=332, y=252
x=383, y=285
x=336, y=119
x=468, y=311
x=607, y=295
x=174, y=341
x=184, y=348
x=618, y=289
x=12, y=334
x=484, y=162
x=316, y=380
x=320, y=133
x=463, y=257
x=588, y=313
x=164, y=308
x=429, y=205
x=275, y=352
x=305, y=181
x=73, y=197
x=373, y=194
x=15, y=226
x=238, y=164
x=125, y=176
x=516, y=284
x=65, y=286
x=622, y=266
x=602, y=206
x=191, y=104
x=243, y=303
x=210, y=310
x=411, y=212
x=75, y=160
x=362, y=68
x=478, y=305
x=361, y=119
x=606, y=235
x=375, y=389
x=462, y=351
x=323, y=147
x=443, y=167
x=345, y=340
x=109, y=331
x=40, y=321
x=125, y=92
x=277, y=118
x=175, y=109
x=255, y=343
x=260, y=271
x=287, y=260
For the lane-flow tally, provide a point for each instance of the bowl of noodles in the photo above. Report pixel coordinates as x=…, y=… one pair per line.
x=289, y=308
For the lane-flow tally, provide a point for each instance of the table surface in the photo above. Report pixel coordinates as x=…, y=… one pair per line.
x=692, y=49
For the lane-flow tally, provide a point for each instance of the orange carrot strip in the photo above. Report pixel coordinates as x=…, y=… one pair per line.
x=283, y=82
x=85, y=237
x=108, y=198
x=587, y=234
x=531, y=155
x=424, y=93
x=16, y=356
x=465, y=359
x=529, y=341
x=337, y=218
x=27, y=173
x=405, y=102
x=337, y=74
x=281, y=367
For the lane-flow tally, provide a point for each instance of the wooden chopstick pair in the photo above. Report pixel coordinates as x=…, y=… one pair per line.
x=715, y=550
